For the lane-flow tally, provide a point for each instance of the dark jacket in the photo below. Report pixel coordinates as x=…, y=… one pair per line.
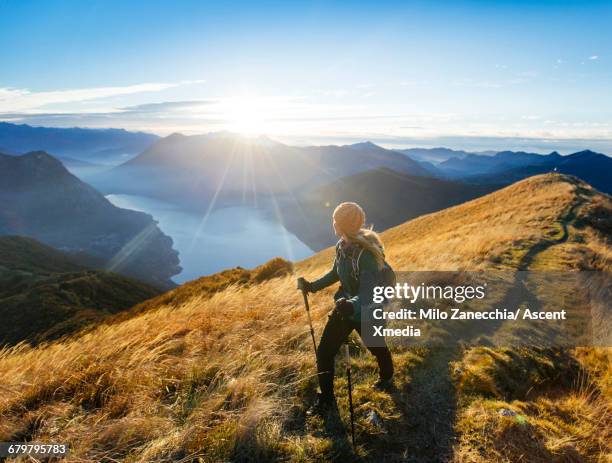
x=357, y=271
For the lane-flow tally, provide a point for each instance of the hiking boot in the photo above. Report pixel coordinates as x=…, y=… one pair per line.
x=322, y=406
x=384, y=385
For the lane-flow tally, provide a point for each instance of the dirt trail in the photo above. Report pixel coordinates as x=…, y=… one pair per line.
x=542, y=246
x=428, y=406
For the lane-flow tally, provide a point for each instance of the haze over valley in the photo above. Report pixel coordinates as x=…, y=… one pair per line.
x=223, y=199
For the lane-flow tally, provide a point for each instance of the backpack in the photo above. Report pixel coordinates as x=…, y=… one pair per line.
x=387, y=274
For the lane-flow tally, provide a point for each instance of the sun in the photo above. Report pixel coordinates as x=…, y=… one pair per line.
x=246, y=115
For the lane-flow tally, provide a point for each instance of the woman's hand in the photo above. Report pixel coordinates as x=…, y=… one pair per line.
x=304, y=285
x=344, y=307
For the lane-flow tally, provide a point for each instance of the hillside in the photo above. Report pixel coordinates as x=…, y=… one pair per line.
x=192, y=170
x=42, y=200
x=20, y=254
x=106, y=146
x=227, y=375
x=45, y=294
x=390, y=198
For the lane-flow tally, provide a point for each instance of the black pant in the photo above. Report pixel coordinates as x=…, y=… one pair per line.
x=336, y=332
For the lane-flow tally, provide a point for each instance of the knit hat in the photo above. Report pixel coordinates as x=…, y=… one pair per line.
x=349, y=218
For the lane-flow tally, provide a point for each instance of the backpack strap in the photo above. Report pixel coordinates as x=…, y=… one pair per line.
x=355, y=263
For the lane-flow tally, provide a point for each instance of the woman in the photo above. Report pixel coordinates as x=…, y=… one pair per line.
x=359, y=259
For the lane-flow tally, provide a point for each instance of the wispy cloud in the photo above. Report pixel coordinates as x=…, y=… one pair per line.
x=593, y=57
x=167, y=106
x=12, y=99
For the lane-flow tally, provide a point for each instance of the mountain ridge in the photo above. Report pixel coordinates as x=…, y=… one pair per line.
x=85, y=144
x=591, y=167
x=474, y=166
x=195, y=169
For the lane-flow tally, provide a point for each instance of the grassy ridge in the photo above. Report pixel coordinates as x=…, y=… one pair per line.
x=21, y=254
x=45, y=294
x=222, y=369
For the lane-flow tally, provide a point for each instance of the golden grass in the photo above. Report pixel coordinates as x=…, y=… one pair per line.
x=572, y=428
x=222, y=369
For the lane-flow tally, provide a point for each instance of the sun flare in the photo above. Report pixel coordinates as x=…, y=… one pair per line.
x=246, y=115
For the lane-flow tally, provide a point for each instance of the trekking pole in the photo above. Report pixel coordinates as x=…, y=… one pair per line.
x=314, y=343
x=350, y=393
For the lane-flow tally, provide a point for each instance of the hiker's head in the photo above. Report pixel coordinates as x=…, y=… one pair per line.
x=348, y=218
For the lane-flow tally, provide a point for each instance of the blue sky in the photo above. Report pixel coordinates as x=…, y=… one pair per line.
x=478, y=75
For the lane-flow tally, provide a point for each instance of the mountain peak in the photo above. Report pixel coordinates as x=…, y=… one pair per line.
x=35, y=161
x=40, y=155
x=509, y=153
x=365, y=145
x=585, y=154
x=175, y=136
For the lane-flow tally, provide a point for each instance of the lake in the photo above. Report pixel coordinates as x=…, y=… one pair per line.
x=228, y=237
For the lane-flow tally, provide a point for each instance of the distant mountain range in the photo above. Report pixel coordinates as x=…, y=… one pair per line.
x=104, y=146
x=194, y=169
x=45, y=293
x=42, y=200
x=508, y=167
x=389, y=198
x=231, y=169
x=433, y=155
x=472, y=164
x=505, y=167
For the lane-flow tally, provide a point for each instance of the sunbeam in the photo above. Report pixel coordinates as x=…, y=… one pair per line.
x=213, y=201
x=132, y=247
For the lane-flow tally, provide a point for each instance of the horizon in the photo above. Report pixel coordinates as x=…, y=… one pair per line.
x=467, y=75
x=339, y=144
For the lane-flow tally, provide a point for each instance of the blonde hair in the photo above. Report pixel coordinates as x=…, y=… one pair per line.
x=369, y=240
